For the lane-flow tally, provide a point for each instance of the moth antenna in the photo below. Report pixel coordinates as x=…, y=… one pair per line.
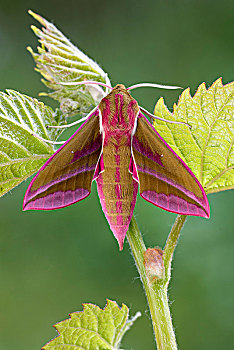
x=71, y=124
x=48, y=141
x=65, y=126
x=154, y=86
x=162, y=119
x=87, y=82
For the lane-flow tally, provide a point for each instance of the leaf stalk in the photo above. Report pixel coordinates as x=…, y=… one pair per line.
x=156, y=292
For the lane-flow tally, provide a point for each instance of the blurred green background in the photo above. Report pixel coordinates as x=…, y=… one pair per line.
x=51, y=262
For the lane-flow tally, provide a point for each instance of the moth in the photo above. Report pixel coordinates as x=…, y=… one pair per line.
x=118, y=148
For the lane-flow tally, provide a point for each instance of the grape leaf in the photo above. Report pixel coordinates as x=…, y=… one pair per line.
x=93, y=328
x=22, y=153
x=206, y=147
x=59, y=61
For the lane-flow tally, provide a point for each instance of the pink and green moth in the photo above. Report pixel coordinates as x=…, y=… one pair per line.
x=118, y=148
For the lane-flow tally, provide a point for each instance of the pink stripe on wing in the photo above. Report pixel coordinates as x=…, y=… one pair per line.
x=57, y=200
x=177, y=205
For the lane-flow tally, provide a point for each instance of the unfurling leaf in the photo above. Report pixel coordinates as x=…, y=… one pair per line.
x=93, y=328
x=22, y=153
x=207, y=147
x=59, y=61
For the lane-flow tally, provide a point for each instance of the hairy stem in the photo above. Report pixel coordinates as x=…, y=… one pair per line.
x=156, y=291
x=171, y=243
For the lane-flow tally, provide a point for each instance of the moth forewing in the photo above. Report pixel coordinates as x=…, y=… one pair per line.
x=165, y=180
x=67, y=175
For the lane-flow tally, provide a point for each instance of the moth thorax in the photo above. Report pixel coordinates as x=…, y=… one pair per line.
x=119, y=110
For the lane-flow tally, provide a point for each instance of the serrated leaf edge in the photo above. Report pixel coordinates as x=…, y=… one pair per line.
x=187, y=94
x=124, y=329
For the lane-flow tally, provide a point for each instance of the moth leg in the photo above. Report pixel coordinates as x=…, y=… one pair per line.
x=68, y=125
x=77, y=122
x=49, y=141
x=164, y=120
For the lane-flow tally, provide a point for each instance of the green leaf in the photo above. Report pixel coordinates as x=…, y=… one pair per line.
x=59, y=61
x=206, y=147
x=22, y=120
x=93, y=328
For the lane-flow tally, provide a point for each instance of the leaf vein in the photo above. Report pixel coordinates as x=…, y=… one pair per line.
x=208, y=136
x=218, y=176
x=88, y=331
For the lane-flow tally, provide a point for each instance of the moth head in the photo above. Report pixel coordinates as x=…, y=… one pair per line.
x=120, y=89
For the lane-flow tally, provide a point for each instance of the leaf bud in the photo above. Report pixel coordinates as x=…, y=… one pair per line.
x=153, y=261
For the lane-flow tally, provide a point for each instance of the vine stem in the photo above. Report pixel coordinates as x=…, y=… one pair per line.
x=156, y=291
